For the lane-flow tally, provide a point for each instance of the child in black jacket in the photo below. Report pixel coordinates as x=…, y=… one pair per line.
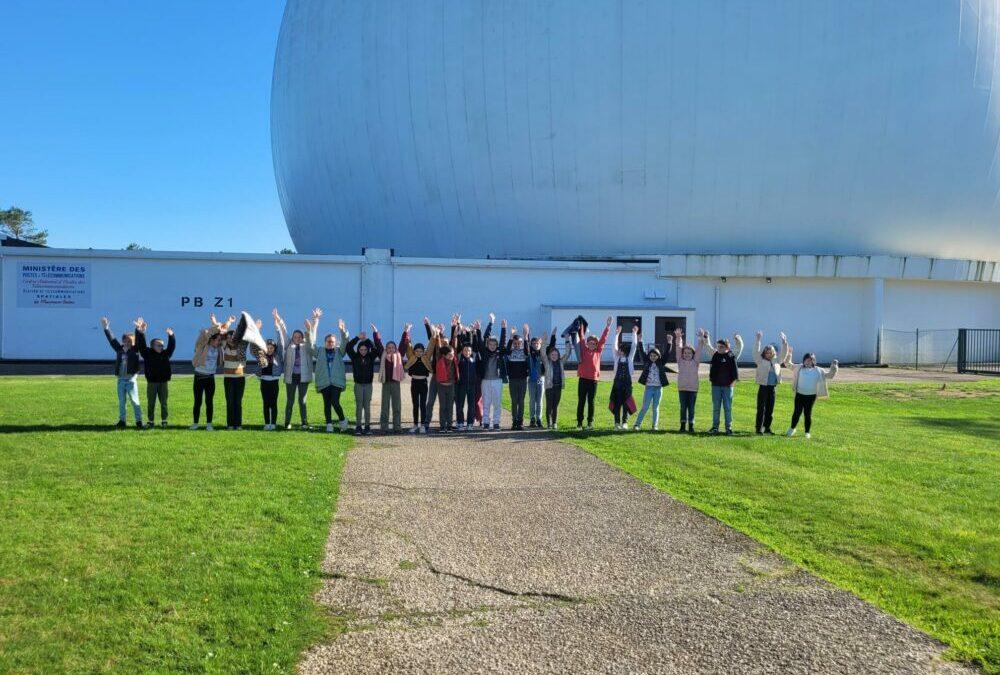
x=156, y=362
x=363, y=354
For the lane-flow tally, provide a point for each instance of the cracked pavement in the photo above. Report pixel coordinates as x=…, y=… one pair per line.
x=498, y=552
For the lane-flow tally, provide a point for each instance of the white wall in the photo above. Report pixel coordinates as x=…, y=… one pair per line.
x=517, y=293
x=935, y=305
x=833, y=317
x=127, y=286
x=824, y=316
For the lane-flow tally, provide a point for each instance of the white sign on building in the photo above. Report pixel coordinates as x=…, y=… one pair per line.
x=53, y=284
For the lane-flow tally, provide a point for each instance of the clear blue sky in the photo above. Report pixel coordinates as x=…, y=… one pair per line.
x=141, y=121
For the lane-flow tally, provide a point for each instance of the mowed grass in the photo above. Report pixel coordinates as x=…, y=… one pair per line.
x=162, y=550
x=896, y=497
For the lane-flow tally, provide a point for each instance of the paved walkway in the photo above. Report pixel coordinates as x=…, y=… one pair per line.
x=498, y=552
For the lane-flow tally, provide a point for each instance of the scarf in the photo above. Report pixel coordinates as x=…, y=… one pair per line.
x=395, y=362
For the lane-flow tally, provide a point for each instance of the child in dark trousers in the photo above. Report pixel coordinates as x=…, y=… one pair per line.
x=516, y=355
x=156, y=369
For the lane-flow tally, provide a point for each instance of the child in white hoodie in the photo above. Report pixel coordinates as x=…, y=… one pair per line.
x=809, y=383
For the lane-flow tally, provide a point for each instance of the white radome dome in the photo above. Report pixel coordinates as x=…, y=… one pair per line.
x=570, y=128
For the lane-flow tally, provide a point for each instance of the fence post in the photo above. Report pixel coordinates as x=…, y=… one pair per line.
x=961, y=350
x=916, y=356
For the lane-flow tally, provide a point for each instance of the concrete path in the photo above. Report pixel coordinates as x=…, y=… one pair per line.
x=499, y=552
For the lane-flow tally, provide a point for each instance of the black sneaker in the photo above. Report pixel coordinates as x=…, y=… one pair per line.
x=760, y=433
x=139, y=426
x=162, y=424
x=768, y=432
x=358, y=430
x=368, y=430
x=729, y=432
x=713, y=430
x=121, y=424
x=683, y=428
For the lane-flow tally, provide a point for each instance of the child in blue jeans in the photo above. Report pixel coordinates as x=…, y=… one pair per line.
x=127, y=372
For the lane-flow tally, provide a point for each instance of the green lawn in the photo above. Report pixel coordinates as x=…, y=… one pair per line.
x=160, y=550
x=895, y=498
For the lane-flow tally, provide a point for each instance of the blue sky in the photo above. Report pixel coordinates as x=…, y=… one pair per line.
x=141, y=121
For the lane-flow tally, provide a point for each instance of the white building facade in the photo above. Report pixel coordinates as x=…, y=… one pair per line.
x=51, y=300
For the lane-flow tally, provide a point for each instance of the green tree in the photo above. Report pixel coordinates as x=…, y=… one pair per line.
x=20, y=224
x=286, y=251
x=133, y=246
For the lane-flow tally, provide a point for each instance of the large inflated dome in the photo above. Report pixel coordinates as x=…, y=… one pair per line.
x=615, y=127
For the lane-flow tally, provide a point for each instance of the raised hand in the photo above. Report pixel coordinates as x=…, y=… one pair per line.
x=274, y=313
x=170, y=331
x=231, y=320
x=138, y=323
x=835, y=362
x=493, y=317
x=635, y=329
x=608, y=322
x=317, y=313
x=362, y=336
x=527, y=329
x=503, y=323
x=374, y=329
x=678, y=331
x=783, y=337
x=260, y=323
x=737, y=338
x=760, y=334
x=341, y=325
x=427, y=321
x=104, y=322
x=618, y=330
x=211, y=317
x=670, y=339
x=407, y=327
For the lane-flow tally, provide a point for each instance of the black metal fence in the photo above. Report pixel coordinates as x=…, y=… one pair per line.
x=979, y=350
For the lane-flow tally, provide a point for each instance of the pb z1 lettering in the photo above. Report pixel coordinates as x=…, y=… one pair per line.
x=200, y=301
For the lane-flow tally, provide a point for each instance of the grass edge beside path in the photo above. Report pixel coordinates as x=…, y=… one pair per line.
x=899, y=509
x=159, y=550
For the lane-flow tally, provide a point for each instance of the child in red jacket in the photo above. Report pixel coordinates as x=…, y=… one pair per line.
x=589, y=372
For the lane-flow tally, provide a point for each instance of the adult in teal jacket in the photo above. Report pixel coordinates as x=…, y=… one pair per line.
x=329, y=373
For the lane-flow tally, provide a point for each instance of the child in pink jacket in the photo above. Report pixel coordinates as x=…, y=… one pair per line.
x=688, y=358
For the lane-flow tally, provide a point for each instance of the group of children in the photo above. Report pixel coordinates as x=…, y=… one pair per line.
x=462, y=369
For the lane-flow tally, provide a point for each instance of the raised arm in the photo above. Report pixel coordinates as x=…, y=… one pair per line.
x=140, y=338
x=832, y=372
x=350, y=346
x=784, y=348
x=109, y=335
x=707, y=346
x=738, y=341
x=377, y=339
x=635, y=345
x=604, y=335
x=757, y=358
x=404, y=339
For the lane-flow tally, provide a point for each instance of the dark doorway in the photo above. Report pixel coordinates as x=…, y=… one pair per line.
x=665, y=325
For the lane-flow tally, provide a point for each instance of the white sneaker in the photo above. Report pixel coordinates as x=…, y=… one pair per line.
x=590, y=427
x=329, y=427
x=635, y=428
x=193, y=427
x=790, y=432
x=423, y=430
x=617, y=426
x=209, y=427
x=808, y=435
x=288, y=427
x=414, y=430
x=656, y=427
x=343, y=425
